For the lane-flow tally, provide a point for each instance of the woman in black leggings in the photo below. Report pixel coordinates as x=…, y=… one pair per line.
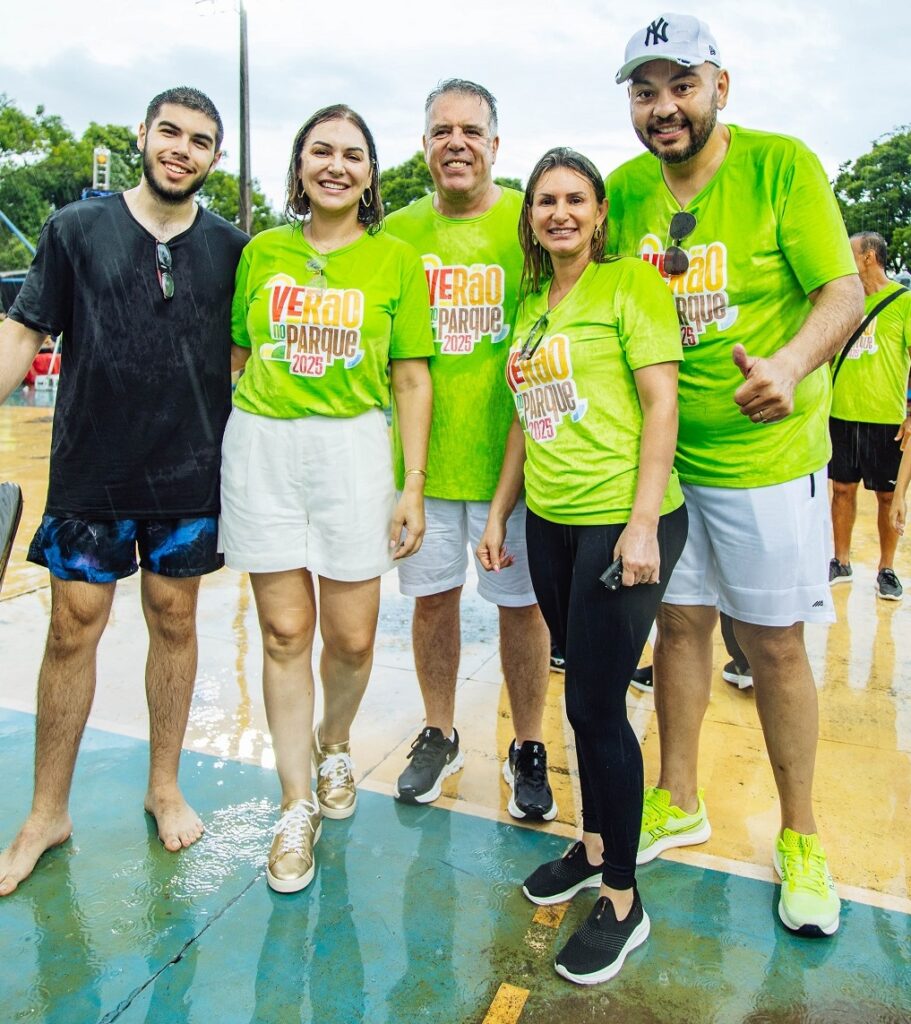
x=594, y=371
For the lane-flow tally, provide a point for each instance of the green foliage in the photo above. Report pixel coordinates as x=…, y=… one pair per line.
x=43, y=166
x=408, y=181
x=874, y=193
x=515, y=183
x=221, y=194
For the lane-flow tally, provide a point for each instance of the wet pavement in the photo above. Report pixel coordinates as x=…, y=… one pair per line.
x=416, y=913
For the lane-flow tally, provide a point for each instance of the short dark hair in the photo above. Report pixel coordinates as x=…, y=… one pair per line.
x=192, y=99
x=538, y=267
x=464, y=87
x=297, y=206
x=873, y=241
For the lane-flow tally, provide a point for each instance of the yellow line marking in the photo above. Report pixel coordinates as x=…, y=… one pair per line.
x=550, y=917
x=507, y=1005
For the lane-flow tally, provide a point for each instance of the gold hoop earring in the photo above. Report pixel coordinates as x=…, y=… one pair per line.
x=599, y=233
x=367, y=203
x=534, y=241
x=300, y=190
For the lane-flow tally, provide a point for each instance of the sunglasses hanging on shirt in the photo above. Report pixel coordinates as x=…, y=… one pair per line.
x=676, y=260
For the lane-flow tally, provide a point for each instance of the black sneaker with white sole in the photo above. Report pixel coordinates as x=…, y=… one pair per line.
x=737, y=675
x=560, y=880
x=432, y=757
x=888, y=586
x=596, y=950
x=525, y=770
x=643, y=679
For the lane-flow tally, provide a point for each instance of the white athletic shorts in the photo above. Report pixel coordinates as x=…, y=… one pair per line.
x=315, y=492
x=759, y=554
x=442, y=562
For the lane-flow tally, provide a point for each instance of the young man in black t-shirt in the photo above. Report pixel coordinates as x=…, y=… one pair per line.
x=140, y=286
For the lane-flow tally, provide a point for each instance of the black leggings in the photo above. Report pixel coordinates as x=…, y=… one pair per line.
x=601, y=634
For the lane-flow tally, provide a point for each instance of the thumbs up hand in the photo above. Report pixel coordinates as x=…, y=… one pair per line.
x=767, y=392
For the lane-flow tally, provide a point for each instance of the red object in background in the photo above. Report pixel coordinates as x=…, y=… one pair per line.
x=41, y=366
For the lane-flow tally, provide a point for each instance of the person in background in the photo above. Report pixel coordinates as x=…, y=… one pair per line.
x=868, y=422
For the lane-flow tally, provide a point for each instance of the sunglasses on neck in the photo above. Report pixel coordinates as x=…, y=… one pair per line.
x=165, y=265
x=676, y=260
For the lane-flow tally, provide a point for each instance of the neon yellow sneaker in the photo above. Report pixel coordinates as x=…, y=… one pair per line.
x=665, y=826
x=809, y=904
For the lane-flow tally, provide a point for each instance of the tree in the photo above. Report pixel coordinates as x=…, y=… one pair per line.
x=221, y=195
x=874, y=193
x=43, y=166
x=401, y=185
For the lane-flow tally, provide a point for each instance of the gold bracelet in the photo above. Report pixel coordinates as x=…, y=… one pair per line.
x=412, y=472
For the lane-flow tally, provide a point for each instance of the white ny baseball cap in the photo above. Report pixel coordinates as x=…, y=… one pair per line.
x=678, y=37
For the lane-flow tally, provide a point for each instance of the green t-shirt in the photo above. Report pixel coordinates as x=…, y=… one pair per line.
x=473, y=269
x=322, y=329
x=873, y=379
x=768, y=233
x=577, y=399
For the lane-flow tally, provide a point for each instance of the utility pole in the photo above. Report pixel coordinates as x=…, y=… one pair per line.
x=245, y=205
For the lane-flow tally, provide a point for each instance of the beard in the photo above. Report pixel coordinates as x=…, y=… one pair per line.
x=700, y=132
x=171, y=194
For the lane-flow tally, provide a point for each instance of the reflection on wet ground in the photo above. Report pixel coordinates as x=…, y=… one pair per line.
x=416, y=914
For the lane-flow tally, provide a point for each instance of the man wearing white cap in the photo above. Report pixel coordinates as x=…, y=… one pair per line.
x=745, y=229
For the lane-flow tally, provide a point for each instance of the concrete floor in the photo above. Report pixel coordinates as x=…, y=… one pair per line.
x=416, y=914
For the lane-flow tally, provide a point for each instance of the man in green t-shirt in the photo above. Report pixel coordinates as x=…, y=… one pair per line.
x=744, y=227
x=466, y=231
x=869, y=414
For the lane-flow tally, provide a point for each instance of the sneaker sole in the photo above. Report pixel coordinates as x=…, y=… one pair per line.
x=295, y=884
x=695, y=838
x=741, y=682
x=437, y=788
x=592, y=882
x=841, y=579
x=642, y=687
x=335, y=813
x=516, y=811
x=809, y=931
x=638, y=936
x=888, y=597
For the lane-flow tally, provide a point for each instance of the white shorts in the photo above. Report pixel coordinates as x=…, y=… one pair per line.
x=442, y=562
x=314, y=492
x=759, y=554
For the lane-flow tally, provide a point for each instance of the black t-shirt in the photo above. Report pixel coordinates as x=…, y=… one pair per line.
x=144, y=389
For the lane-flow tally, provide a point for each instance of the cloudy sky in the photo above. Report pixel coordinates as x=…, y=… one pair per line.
x=834, y=74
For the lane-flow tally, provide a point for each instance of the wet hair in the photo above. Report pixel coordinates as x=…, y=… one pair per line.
x=873, y=241
x=538, y=267
x=297, y=206
x=192, y=99
x=463, y=87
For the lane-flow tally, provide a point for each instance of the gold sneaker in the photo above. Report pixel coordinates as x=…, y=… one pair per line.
x=335, y=789
x=291, y=863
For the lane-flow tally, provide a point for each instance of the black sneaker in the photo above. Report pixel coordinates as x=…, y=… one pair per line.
x=643, y=679
x=525, y=770
x=737, y=675
x=840, y=572
x=432, y=757
x=887, y=586
x=597, y=949
x=560, y=880
x=557, y=661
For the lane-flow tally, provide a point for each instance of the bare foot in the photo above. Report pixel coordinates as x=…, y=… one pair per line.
x=37, y=835
x=179, y=825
